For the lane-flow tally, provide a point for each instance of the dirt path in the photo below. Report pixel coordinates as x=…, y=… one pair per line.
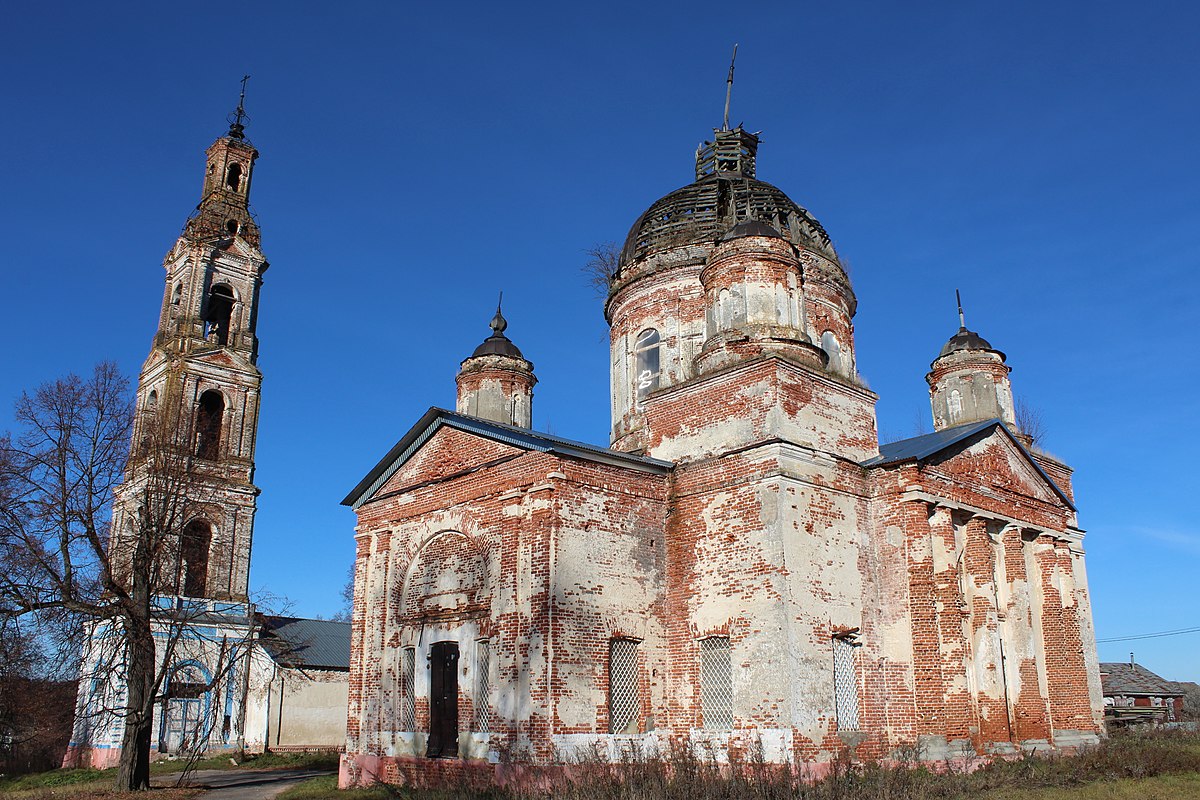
x=241, y=784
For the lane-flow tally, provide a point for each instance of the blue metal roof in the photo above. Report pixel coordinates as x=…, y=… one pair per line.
x=922, y=447
x=527, y=439
x=299, y=642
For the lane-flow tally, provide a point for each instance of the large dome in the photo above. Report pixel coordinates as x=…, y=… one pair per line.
x=725, y=193
x=704, y=211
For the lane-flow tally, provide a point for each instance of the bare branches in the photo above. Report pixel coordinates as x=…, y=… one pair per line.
x=1029, y=420
x=602, y=265
x=93, y=548
x=57, y=477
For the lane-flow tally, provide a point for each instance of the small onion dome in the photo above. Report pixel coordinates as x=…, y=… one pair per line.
x=498, y=344
x=967, y=340
x=751, y=227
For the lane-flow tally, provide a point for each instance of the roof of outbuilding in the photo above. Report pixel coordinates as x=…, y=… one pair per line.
x=300, y=642
x=920, y=448
x=435, y=418
x=1119, y=677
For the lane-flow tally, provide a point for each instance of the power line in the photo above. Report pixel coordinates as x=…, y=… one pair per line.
x=1178, y=632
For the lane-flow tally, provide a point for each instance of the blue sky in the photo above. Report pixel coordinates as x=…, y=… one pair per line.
x=418, y=158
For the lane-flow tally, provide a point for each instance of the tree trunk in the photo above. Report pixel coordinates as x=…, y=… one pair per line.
x=133, y=773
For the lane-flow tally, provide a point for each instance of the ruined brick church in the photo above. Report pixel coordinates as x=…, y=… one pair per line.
x=745, y=565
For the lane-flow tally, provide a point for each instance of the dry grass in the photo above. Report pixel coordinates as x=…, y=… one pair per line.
x=86, y=784
x=1163, y=787
x=1128, y=765
x=96, y=790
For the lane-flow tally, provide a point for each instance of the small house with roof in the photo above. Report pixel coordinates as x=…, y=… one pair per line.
x=297, y=685
x=1134, y=694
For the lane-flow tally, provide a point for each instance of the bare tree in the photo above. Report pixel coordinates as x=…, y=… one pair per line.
x=1191, y=700
x=346, y=612
x=65, y=476
x=36, y=703
x=602, y=265
x=1029, y=420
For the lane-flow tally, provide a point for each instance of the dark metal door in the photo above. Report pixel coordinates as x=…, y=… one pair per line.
x=443, y=700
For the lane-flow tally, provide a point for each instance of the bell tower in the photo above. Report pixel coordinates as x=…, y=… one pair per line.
x=199, y=387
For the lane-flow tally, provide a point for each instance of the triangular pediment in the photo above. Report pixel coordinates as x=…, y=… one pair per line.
x=994, y=460
x=461, y=442
x=241, y=247
x=223, y=357
x=984, y=454
x=237, y=247
x=448, y=451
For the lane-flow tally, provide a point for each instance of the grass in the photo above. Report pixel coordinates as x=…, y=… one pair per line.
x=1162, y=787
x=83, y=784
x=322, y=760
x=1128, y=766
x=326, y=787
x=1142, y=765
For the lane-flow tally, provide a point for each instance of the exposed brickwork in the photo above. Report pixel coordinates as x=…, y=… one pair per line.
x=957, y=576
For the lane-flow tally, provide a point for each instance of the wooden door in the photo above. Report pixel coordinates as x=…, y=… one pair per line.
x=443, y=700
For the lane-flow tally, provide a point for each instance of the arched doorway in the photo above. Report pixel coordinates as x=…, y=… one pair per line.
x=183, y=728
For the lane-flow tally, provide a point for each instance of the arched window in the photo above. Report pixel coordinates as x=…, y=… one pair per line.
x=829, y=344
x=647, y=363
x=152, y=401
x=233, y=176
x=193, y=558
x=209, y=413
x=176, y=295
x=219, y=313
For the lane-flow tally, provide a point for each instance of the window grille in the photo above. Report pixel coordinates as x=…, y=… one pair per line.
x=845, y=683
x=408, y=698
x=483, y=686
x=716, y=683
x=623, y=686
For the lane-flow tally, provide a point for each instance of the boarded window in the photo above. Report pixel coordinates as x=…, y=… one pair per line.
x=623, y=706
x=845, y=682
x=408, y=700
x=716, y=683
x=483, y=686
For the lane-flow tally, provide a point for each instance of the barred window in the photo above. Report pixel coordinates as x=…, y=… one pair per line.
x=845, y=682
x=408, y=698
x=716, y=683
x=623, y=705
x=483, y=686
